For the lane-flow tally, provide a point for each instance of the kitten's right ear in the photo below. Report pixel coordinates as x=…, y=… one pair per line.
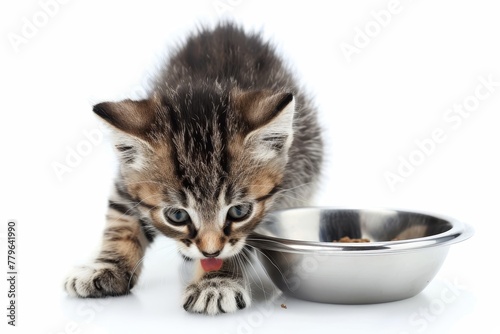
x=132, y=117
x=131, y=121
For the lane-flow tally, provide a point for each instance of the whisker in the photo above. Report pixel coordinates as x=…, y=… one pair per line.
x=140, y=261
x=274, y=265
x=249, y=262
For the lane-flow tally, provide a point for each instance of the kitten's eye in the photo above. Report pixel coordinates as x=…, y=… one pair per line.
x=177, y=217
x=239, y=212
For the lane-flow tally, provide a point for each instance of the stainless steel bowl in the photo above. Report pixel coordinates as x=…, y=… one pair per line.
x=405, y=253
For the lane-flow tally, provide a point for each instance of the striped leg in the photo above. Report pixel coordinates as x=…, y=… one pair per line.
x=116, y=269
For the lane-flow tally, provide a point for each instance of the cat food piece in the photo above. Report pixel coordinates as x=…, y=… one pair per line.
x=347, y=239
x=211, y=264
x=283, y=306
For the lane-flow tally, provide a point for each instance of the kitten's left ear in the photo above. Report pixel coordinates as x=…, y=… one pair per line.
x=270, y=118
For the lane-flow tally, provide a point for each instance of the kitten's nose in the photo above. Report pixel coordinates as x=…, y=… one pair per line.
x=215, y=254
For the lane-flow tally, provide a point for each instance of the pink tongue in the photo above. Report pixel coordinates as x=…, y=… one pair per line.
x=211, y=264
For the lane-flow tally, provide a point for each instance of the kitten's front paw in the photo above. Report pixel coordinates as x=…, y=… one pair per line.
x=214, y=295
x=97, y=280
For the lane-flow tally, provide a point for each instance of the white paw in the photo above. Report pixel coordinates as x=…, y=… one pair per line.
x=215, y=295
x=97, y=280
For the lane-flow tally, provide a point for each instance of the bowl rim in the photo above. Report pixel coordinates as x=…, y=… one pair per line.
x=458, y=232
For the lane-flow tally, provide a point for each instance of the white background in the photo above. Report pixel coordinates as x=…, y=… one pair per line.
x=374, y=106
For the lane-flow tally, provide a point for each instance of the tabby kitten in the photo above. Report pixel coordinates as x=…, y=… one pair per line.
x=225, y=136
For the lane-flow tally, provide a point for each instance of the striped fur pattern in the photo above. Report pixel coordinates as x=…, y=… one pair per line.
x=226, y=136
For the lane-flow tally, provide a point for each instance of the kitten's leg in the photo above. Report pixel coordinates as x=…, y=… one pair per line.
x=215, y=292
x=116, y=269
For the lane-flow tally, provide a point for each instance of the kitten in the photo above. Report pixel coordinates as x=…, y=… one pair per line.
x=226, y=136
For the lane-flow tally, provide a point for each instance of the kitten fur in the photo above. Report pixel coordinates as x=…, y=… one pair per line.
x=225, y=131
